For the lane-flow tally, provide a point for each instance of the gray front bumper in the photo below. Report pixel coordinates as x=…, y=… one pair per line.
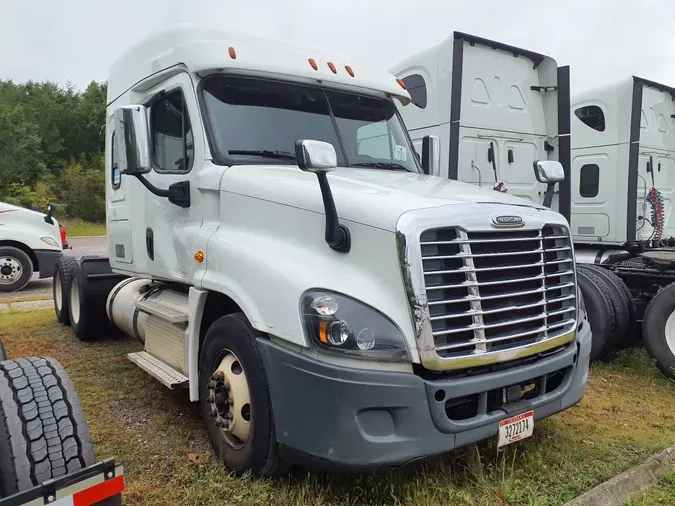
x=336, y=417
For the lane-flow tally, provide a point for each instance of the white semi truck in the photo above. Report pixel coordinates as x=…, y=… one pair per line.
x=498, y=109
x=502, y=109
x=30, y=242
x=283, y=254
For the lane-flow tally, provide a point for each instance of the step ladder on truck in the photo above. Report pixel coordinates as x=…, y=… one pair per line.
x=283, y=255
x=46, y=453
x=500, y=110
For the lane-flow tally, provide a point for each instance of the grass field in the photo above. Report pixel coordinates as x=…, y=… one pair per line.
x=80, y=228
x=627, y=415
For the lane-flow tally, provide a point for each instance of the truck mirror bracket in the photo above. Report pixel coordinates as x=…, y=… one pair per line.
x=337, y=235
x=178, y=193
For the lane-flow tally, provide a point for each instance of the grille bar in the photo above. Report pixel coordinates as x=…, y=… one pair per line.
x=501, y=281
x=508, y=337
x=496, y=290
x=503, y=309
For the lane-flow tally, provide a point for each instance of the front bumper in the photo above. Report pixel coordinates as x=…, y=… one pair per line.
x=338, y=418
x=46, y=260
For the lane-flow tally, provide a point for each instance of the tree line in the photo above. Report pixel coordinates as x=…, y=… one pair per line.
x=52, y=142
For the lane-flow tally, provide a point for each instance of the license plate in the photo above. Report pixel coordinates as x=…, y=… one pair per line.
x=516, y=428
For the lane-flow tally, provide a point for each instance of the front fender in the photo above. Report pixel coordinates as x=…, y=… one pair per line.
x=266, y=255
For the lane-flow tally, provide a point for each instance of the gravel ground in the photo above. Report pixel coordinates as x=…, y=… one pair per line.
x=38, y=288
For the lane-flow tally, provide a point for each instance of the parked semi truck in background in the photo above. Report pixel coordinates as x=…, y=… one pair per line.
x=30, y=241
x=502, y=109
x=282, y=253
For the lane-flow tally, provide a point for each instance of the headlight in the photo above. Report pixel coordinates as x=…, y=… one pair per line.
x=338, y=323
x=50, y=241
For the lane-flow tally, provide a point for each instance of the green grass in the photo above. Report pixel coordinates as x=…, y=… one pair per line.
x=80, y=228
x=627, y=415
x=663, y=494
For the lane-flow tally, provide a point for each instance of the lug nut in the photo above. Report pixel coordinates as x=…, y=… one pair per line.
x=219, y=423
x=230, y=401
x=211, y=385
x=210, y=398
x=226, y=426
x=219, y=376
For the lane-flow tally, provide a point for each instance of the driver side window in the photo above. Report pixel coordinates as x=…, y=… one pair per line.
x=172, y=142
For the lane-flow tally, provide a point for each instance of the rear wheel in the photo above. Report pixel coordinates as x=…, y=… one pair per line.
x=600, y=313
x=61, y=288
x=79, y=307
x=16, y=269
x=235, y=401
x=43, y=433
x=627, y=304
x=658, y=330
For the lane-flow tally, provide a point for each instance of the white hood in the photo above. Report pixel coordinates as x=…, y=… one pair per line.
x=369, y=196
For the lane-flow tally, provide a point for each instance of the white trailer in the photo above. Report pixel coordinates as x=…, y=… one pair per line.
x=498, y=109
x=283, y=255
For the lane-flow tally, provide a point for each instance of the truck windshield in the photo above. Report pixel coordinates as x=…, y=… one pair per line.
x=255, y=121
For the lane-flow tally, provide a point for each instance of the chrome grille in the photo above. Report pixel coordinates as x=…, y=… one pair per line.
x=497, y=290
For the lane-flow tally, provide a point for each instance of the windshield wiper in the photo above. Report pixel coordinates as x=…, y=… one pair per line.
x=381, y=165
x=264, y=153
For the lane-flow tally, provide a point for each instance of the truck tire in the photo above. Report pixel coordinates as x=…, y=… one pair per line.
x=80, y=310
x=600, y=312
x=631, y=334
x=234, y=399
x=16, y=269
x=43, y=434
x=658, y=330
x=624, y=304
x=63, y=272
x=3, y=353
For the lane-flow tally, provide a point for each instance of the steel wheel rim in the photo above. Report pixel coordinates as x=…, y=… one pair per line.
x=229, y=397
x=74, y=301
x=670, y=332
x=58, y=295
x=11, y=270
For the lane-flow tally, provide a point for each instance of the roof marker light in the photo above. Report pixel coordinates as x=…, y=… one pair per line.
x=349, y=70
x=401, y=83
x=233, y=53
x=331, y=66
x=312, y=62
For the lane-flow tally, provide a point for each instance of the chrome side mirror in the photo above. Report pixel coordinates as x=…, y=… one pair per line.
x=549, y=171
x=132, y=137
x=431, y=155
x=315, y=156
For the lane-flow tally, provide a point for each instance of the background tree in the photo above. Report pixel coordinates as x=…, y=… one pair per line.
x=52, y=140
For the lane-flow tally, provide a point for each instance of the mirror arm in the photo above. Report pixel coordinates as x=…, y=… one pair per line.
x=337, y=236
x=153, y=189
x=178, y=193
x=548, y=196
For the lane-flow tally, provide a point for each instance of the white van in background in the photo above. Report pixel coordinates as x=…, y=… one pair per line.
x=497, y=109
x=30, y=241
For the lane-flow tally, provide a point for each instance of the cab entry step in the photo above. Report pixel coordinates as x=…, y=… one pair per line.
x=162, y=372
x=168, y=313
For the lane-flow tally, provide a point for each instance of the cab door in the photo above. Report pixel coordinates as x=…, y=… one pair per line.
x=177, y=146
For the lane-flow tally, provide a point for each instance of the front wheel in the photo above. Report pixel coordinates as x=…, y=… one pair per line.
x=658, y=330
x=16, y=269
x=235, y=401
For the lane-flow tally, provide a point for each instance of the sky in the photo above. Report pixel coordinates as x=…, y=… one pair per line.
x=602, y=40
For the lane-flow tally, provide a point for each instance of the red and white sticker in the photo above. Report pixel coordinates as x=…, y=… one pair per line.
x=516, y=428
x=95, y=494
